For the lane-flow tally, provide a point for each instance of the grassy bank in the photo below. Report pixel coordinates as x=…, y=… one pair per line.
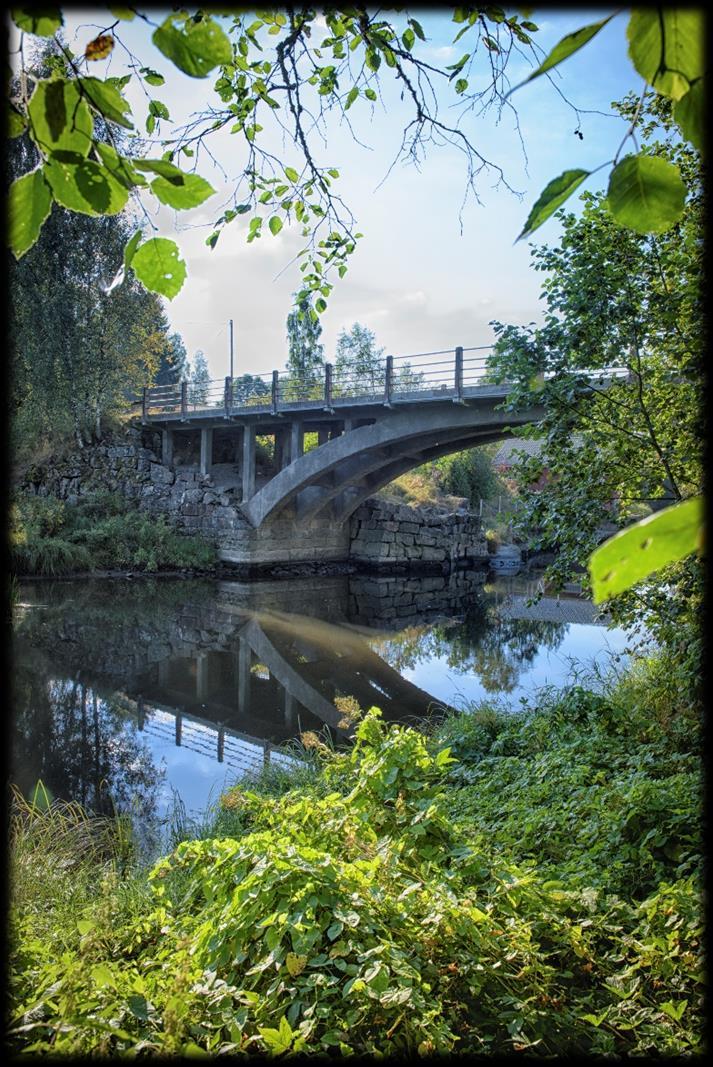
x=51, y=538
x=535, y=889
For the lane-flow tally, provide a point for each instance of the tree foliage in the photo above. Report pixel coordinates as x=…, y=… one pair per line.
x=270, y=74
x=614, y=299
x=358, y=363
x=305, y=353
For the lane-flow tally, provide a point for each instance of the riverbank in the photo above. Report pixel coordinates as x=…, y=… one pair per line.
x=541, y=892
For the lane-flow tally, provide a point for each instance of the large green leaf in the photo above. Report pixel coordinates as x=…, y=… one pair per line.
x=566, y=47
x=196, y=48
x=119, y=167
x=554, y=194
x=190, y=191
x=131, y=246
x=30, y=202
x=84, y=186
x=162, y=167
x=666, y=47
x=158, y=266
x=646, y=194
x=42, y=21
x=645, y=547
x=59, y=119
x=107, y=100
x=689, y=113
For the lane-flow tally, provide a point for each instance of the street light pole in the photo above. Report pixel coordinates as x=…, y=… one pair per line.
x=231, y=349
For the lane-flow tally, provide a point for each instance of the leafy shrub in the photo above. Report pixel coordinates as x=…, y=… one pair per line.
x=98, y=533
x=361, y=921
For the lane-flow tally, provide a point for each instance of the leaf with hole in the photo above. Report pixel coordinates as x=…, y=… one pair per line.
x=158, y=266
x=650, y=544
x=84, y=186
x=552, y=197
x=196, y=48
x=646, y=194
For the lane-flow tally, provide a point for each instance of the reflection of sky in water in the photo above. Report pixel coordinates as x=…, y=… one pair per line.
x=585, y=644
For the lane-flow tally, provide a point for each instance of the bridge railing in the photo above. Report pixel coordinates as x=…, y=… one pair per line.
x=446, y=372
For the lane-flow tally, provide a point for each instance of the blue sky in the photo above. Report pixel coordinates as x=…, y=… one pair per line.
x=416, y=280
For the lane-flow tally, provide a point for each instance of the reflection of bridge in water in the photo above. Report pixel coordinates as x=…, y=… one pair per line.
x=297, y=666
x=234, y=670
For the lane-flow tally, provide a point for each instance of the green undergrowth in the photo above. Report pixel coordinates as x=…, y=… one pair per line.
x=102, y=531
x=403, y=896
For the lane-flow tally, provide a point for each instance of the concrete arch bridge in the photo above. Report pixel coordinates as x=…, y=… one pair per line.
x=364, y=430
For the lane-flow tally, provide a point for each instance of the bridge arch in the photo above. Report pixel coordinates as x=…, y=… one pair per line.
x=343, y=471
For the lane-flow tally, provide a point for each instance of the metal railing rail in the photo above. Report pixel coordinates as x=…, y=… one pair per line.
x=394, y=377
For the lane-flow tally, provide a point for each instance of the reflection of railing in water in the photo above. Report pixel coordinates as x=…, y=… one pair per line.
x=240, y=752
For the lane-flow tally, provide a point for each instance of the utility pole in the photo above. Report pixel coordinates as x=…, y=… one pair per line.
x=231, y=349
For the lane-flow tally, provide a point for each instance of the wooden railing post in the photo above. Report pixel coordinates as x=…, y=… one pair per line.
x=227, y=400
x=184, y=400
x=144, y=404
x=275, y=391
x=328, y=387
x=458, y=398
x=388, y=381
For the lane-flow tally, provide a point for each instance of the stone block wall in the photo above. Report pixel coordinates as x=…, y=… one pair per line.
x=380, y=534
x=383, y=535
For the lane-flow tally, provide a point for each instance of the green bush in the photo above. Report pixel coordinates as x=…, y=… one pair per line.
x=359, y=918
x=101, y=532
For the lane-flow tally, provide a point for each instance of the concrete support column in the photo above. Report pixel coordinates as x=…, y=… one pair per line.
x=206, y=450
x=322, y=435
x=248, y=461
x=202, y=677
x=244, y=664
x=348, y=425
x=167, y=447
x=179, y=727
x=289, y=709
x=297, y=440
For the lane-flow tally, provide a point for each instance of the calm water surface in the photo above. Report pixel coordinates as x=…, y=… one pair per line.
x=132, y=693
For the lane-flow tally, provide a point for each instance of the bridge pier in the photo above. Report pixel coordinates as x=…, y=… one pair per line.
x=248, y=460
x=167, y=447
x=206, y=450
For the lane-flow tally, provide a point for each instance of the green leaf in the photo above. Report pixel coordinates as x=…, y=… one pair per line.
x=84, y=186
x=688, y=113
x=646, y=194
x=123, y=13
x=635, y=553
x=674, y=1011
x=59, y=118
x=118, y=166
x=138, y=1006
x=102, y=975
x=275, y=224
x=131, y=245
x=566, y=47
x=190, y=191
x=159, y=109
x=158, y=266
x=44, y=21
x=30, y=202
x=666, y=47
x=41, y=796
x=85, y=926
x=107, y=100
x=370, y=94
x=152, y=76
x=552, y=197
x=291, y=174
x=16, y=123
x=196, y=48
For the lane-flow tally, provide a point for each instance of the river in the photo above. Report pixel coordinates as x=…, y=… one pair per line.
x=130, y=694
